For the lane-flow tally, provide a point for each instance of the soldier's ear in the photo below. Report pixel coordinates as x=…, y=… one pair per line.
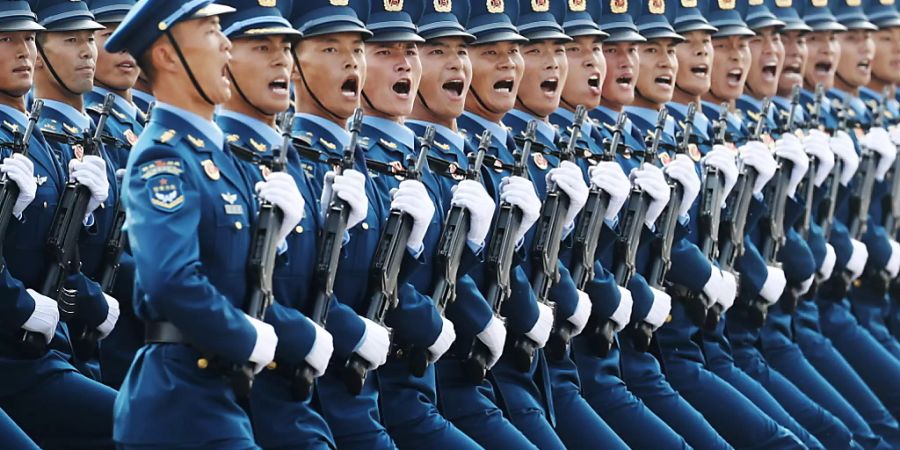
x=164, y=58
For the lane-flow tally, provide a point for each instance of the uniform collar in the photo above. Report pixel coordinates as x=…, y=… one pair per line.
x=397, y=131
x=145, y=97
x=338, y=132
x=265, y=131
x=119, y=101
x=76, y=117
x=613, y=115
x=208, y=128
x=701, y=122
x=14, y=114
x=498, y=131
x=569, y=116
x=453, y=138
x=544, y=129
x=646, y=114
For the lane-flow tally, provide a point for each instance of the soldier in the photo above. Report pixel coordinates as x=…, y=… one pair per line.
x=260, y=72
x=190, y=286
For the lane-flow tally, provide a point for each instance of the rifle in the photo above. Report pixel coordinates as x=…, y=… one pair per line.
x=547, y=239
x=328, y=256
x=62, y=241
x=9, y=190
x=808, y=186
x=632, y=225
x=386, y=265
x=826, y=210
x=586, y=237
x=499, y=259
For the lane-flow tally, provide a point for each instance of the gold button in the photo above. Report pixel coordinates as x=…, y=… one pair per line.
x=45, y=205
x=299, y=229
x=202, y=363
x=668, y=318
x=857, y=283
x=365, y=226
x=238, y=225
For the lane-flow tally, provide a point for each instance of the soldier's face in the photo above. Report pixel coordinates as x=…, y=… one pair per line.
x=73, y=55
x=621, y=73
x=695, y=57
x=587, y=68
x=886, y=65
x=767, y=55
x=261, y=67
x=208, y=52
x=334, y=67
x=659, y=66
x=824, y=51
x=795, y=56
x=546, y=68
x=855, y=64
x=117, y=71
x=731, y=65
x=17, y=55
x=497, y=70
x=446, y=76
x=392, y=78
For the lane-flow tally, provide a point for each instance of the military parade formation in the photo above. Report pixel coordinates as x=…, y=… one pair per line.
x=449, y=224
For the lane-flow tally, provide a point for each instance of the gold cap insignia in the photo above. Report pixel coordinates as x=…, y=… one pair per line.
x=853, y=3
x=577, y=5
x=726, y=5
x=495, y=6
x=688, y=3
x=268, y=3
x=339, y=2
x=657, y=6
x=756, y=2
x=443, y=6
x=393, y=5
x=820, y=3
x=783, y=3
x=540, y=5
x=618, y=6
x=887, y=2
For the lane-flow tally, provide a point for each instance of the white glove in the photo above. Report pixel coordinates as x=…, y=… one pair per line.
x=91, y=172
x=858, y=258
x=653, y=182
x=471, y=195
x=757, y=155
x=720, y=288
x=816, y=144
x=112, y=316
x=609, y=177
x=443, y=342
x=843, y=148
x=622, y=315
x=805, y=285
x=728, y=292
x=659, y=310
x=569, y=178
x=350, y=186
x=493, y=336
x=264, y=349
x=879, y=141
x=682, y=170
x=774, y=285
x=789, y=148
x=895, y=135
x=827, y=266
x=20, y=170
x=540, y=332
x=320, y=353
x=582, y=313
x=412, y=198
x=893, y=265
x=281, y=190
x=723, y=158
x=375, y=344
x=44, y=317
x=520, y=192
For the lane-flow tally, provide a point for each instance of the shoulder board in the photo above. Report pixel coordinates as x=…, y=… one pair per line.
x=10, y=126
x=329, y=145
x=232, y=138
x=119, y=114
x=51, y=126
x=258, y=146
x=195, y=141
x=168, y=137
x=387, y=144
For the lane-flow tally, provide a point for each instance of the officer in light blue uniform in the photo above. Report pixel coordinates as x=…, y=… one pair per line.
x=46, y=396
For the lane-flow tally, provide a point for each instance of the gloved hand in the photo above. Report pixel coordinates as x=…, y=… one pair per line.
x=540, y=332
x=45, y=316
x=757, y=155
x=774, y=285
x=805, y=285
x=609, y=177
x=375, y=344
x=281, y=190
x=471, y=195
x=893, y=265
x=320, y=353
x=520, y=192
x=569, y=179
x=895, y=135
x=20, y=170
x=264, y=349
x=724, y=159
x=582, y=313
x=827, y=266
x=653, y=182
x=659, y=310
x=682, y=170
x=858, y=258
x=443, y=342
x=91, y=172
x=493, y=336
x=350, y=186
x=728, y=291
x=789, y=148
x=622, y=315
x=112, y=316
x=879, y=141
x=843, y=149
x=817, y=145
x=412, y=198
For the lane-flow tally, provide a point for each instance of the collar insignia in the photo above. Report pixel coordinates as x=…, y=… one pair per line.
x=196, y=142
x=167, y=136
x=260, y=147
x=327, y=144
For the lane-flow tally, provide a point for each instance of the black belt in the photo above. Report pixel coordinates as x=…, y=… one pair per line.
x=163, y=333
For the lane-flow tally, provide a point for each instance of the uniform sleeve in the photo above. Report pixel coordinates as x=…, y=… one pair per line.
x=92, y=308
x=564, y=293
x=603, y=292
x=690, y=267
x=415, y=320
x=796, y=258
x=753, y=270
x=520, y=309
x=166, y=251
x=16, y=306
x=295, y=332
x=470, y=312
x=642, y=297
x=346, y=327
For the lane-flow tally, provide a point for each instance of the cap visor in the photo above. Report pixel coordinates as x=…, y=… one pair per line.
x=827, y=26
x=624, y=35
x=587, y=31
x=80, y=24
x=396, y=36
x=212, y=9
x=546, y=35
x=499, y=36
x=447, y=33
x=888, y=22
x=733, y=30
x=273, y=30
x=661, y=33
x=765, y=22
x=695, y=26
x=117, y=17
x=20, y=25
x=796, y=25
x=859, y=24
x=336, y=28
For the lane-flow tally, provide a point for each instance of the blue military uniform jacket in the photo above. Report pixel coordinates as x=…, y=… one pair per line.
x=125, y=124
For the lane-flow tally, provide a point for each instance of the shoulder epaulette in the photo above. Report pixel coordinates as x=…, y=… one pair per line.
x=168, y=137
